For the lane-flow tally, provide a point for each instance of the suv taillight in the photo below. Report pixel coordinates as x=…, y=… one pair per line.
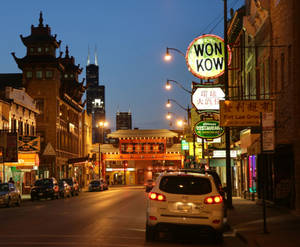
x=157, y=197
x=213, y=199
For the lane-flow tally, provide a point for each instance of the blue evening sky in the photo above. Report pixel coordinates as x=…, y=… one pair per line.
x=131, y=37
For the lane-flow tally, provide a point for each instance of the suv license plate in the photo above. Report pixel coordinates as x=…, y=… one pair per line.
x=184, y=208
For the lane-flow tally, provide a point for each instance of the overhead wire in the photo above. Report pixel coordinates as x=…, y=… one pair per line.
x=219, y=18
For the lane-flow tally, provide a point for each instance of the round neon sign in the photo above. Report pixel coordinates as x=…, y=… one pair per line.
x=205, y=56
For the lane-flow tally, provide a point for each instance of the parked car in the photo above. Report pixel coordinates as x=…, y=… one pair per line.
x=185, y=200
x=215, y=176
x=45, y=188
x=9, y=195
x=64, y=189
x=149, y=185
x=96, y=185
x=74, y=185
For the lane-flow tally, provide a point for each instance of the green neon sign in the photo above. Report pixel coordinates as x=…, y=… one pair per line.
x=208, y=129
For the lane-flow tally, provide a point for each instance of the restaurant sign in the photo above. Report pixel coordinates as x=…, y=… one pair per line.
x=207, y=98
x=240, y=113
x=205, y=56
x=208, y=129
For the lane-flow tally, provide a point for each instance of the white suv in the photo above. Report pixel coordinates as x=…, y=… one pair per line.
x=184, y=200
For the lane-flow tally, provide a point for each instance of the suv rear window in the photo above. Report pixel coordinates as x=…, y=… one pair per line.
x=188, y=185
x=43, y=182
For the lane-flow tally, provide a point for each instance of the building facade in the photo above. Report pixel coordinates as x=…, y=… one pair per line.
x=19, y=144
x=265, y=67
x=95, y=95
x=53, y=83
x=139, y=155
x=123, y=121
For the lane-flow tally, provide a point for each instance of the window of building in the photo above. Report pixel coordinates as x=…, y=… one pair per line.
x=32, y=130
x=40, y=105
x=31, y=49
x=47, y=49
x=20, y=127
x=276, y=76
x=66, y=75
x=282, y=83
x=27, y=129
x=13, y=124
x=29, y=74
x=49, y=74
x=39, y=49
x=39, y=74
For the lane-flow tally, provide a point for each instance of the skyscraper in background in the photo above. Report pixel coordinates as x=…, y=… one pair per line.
x=123, y=121
x=95, y=96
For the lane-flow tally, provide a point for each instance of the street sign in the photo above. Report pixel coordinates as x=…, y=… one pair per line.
x=208, y=129
x=49, y=150
x=238, y=113
x=205, y=56
x=207, y=98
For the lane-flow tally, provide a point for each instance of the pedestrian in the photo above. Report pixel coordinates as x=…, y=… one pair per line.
x=11, y=180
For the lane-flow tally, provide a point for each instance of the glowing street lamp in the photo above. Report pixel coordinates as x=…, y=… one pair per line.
x=168, y=104
x=168, y=116
x=180, y=123
x=168, y=56
x=168, y=85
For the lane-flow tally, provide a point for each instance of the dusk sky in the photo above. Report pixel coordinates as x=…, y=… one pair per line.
x=131, y=37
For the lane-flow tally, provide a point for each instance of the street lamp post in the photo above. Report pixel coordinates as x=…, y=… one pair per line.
x=101, y=125
x=168, y=104
x=227, y=129
x=168, y=86
x=168, y=56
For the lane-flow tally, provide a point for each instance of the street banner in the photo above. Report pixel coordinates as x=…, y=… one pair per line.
x=239, y=113
x=29, y=143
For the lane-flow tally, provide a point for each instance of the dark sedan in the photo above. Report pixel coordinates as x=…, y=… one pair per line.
x=96, y=185
x=45, y=188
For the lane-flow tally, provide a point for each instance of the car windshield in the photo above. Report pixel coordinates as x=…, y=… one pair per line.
x=43, y=182
x=95, y=182
x=189, y=185
x=4, y=187
x=68, y=181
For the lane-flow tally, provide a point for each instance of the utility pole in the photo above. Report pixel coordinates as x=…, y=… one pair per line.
x=227, y=129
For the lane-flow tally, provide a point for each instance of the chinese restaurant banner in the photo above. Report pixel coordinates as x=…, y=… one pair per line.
x=238, y=113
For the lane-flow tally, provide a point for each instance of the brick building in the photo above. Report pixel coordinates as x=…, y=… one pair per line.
x=265, y=36
x=53, y=83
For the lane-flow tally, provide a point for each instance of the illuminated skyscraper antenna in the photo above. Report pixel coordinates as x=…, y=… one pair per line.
x=88, y=58
x=96, y=58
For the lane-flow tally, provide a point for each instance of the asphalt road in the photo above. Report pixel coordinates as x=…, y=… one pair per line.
x=113, y=218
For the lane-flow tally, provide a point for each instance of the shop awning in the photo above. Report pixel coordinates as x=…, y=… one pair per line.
x=25, y=161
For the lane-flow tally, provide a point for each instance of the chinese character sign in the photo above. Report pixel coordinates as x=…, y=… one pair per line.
x=207, y=98
x=243, y=112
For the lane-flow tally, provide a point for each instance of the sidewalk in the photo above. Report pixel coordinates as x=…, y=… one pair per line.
x=246, y=220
